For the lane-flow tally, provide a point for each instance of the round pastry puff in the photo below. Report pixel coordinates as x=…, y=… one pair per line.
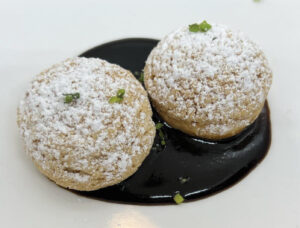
x=208, y=84
x=76, y=134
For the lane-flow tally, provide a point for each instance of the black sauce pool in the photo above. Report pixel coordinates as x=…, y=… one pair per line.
x=191, y=166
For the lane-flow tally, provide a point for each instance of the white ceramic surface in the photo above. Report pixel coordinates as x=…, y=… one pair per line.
x=36, y=34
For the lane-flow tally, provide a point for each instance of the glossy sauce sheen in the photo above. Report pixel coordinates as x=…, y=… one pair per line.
x=205, y=167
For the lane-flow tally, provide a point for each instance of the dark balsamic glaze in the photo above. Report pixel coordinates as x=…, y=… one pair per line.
x=206, y=166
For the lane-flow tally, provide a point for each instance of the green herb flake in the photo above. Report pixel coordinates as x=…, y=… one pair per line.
x=70, y=97
x=76, y=95
x=118, y=98
x=141, y=78
x=162, y=137
x=161, y=134
x=256, y=0
x=115, y=100
x=178, y=198
x=159, y=125
x=202, y=27
x=194, y=28
x=139, y=75
x=184, y=180
x=120, y=93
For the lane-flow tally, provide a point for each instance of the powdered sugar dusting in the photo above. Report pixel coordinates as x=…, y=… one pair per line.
x=215, y=79
x=88, y=138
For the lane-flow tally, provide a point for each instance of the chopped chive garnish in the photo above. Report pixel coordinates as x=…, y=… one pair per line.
x=178, y=198
x=161, y=134
x=159, y=125
x=141, y=78
x=115, y=100
x=69, y=97
x=118, y=98
x=121, y=93
x=194, y=28
x=76, y=95
x=256, y=0
x=183, y=180
x=202, y=27
x=139, y=75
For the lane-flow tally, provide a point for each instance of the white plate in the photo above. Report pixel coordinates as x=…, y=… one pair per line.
x=36, y=34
